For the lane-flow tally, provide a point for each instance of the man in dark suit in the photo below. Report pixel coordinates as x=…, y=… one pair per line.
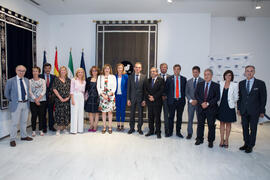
x=163, y=74
x=49, y=78
x=175, y=91
x=251, y=106
x=192, y=102
x=207, y=95
x=135, y=96
x=154, y=88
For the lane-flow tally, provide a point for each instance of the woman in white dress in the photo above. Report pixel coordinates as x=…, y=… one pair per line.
x=106, y=86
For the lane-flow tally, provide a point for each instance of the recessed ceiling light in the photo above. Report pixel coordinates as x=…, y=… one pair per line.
x=170, y=1
x=258, y=4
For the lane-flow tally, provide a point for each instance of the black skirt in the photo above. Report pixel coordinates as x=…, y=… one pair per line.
x=225, y=113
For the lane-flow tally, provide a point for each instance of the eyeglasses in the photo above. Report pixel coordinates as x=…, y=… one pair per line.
x=21, y=71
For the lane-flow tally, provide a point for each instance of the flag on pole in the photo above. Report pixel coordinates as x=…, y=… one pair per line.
x=56, y=70
x=44, y=61
x=83, y=64
x=70, y=66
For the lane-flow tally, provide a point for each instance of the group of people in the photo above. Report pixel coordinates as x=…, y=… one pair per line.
x=106, y=92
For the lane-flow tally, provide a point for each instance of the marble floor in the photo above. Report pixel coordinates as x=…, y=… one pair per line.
x=122, y=156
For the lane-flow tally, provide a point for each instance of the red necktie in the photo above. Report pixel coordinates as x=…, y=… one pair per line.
x=48, y=80
x=177, y=88
x=205, y=92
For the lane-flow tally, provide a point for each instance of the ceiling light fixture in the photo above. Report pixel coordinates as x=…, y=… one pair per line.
x=258, y=4
x=170, y=1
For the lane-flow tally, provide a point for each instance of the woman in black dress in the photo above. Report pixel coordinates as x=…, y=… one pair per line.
x=61, y=88
x=92, y=102
x=226, y=113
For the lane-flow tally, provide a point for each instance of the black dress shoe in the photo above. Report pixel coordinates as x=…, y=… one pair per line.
x=12, y=143
x=243, y=148
x=189, y=136
x=159, y=136
x=149, y=134
x=210, y=144
x=248, y=150
x=27, y=139
x=44, y=130
x=198, y=142
x=140, y=131
x=168, y=135
x=131, y=131
x=180, y=135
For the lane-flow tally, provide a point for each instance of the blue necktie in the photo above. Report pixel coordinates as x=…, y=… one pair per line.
x=153, y=82
x=248, y=86
x=22, y=90
x=194, y=83
x=137, y=80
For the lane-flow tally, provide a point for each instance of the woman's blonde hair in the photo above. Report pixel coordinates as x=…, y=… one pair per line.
x=63, y=67
x=116, y=68
x=104, y=67
x=77, y=71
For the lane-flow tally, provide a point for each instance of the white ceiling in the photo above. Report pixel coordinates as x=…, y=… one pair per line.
x=215, y=7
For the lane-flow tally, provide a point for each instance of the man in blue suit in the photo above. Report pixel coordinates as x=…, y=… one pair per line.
x=17, y=92
x=175, y=91
x=251, y=106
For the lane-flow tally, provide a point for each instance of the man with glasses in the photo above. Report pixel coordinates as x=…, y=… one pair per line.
x=17, y=93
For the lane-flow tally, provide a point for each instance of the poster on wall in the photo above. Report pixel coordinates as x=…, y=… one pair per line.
x=235, y=63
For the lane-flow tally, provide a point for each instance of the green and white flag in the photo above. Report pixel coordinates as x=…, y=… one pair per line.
x=70, y=66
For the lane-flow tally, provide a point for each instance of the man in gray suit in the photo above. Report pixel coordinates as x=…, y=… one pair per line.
x=164, y=76
x=192, y=102
x=17, y=92
x=135, y=96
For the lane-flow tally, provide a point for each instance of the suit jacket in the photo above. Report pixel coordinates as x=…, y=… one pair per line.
x=190, y=90
x=49, y=90
x=11, y=92
x=170, y=89
x=156, y=91
x=232, y=94
x=167, y=75
x=212, y=97
x=254, y=102
x=124, y=83
x=135, y=92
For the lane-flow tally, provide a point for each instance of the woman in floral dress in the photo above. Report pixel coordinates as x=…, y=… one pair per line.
x=61, y=88
x=106, y=86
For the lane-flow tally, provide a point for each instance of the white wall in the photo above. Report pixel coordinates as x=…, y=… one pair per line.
x=229, y=36
x=178, y=36
x=29, y=11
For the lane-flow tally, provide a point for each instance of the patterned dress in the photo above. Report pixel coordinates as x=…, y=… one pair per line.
x=109, y=104
x=62, y=109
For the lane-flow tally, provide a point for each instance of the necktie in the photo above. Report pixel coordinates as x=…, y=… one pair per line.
x=22, y=90
x=153, y=82
x=163, y=76
x=177, y=88
x=195, y=83
x=48, y=80
x=137, y=80
x=205, y=92
x=248, y=86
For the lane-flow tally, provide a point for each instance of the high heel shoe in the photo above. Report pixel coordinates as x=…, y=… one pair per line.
x=103, y=131
x=118, y=128
x=122, y=128
x=110, y=131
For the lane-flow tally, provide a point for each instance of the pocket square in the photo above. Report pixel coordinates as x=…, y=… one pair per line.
x=255, y=89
